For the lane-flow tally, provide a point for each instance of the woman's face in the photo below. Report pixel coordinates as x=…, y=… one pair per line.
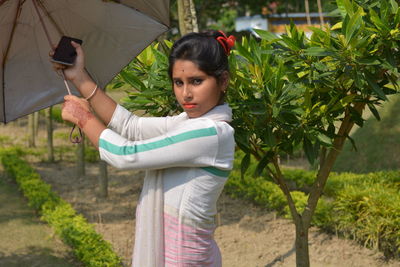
x=196, y=92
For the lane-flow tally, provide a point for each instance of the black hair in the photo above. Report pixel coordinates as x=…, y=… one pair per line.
x=204, y=50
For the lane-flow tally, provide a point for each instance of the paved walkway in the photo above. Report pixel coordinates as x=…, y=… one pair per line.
x=24, y=239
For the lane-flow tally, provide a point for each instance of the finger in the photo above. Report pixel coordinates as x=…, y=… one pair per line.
x=75, y=44
x=51, y=53
x=78, y=49
x=58, y=65
x=68, y=98
x=72, y=98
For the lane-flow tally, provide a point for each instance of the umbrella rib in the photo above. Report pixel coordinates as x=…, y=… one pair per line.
x=17, y=13
x=43, y=7
x=42, y=22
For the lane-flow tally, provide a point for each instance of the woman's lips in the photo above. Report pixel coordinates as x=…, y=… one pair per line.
x=189, y=105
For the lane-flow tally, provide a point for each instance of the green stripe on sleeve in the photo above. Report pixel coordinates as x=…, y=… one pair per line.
x=216, y=171
x=129, y=150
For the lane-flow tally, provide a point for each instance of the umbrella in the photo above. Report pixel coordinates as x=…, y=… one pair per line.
x=113, y=33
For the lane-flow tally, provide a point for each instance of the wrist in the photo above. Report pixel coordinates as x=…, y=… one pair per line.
x=80, y=80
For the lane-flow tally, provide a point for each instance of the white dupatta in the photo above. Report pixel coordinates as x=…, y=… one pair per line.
x=149, y=233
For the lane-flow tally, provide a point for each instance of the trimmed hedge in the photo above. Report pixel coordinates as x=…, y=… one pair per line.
x=88, y=246
x=364, y=207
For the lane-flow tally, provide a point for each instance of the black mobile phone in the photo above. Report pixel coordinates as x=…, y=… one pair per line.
x=65, y=53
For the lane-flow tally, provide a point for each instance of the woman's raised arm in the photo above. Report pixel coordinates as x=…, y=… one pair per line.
x=102, y=104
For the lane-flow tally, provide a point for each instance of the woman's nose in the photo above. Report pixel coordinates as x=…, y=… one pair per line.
x=187, y=92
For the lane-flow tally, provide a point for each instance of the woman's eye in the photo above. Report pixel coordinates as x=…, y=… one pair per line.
x=197, y=81
x=178, y=83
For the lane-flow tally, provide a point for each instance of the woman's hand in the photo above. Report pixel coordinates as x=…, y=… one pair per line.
x=76, y=110
x=76, y=73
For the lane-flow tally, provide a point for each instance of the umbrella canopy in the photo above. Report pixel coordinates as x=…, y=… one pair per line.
x=113, y=33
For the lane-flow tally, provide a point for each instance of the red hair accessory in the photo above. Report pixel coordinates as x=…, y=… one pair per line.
x=226, y=42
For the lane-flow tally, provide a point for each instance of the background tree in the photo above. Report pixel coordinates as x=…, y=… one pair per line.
x=32, y=129
x=80, y=157
x=292, y=92
x=49, y=126
x=187, y=17
x=218, y=13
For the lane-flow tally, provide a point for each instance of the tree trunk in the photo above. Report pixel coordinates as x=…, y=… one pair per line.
x=187, y=16
x=36, y=123
x=50, y=147
x=301, y=242
x=303, y=222
x=307, y=12
x=103, y=179
x=31, y=131
x=195, y=26
x=80, y=158
x=302, y=254
x=321, y=16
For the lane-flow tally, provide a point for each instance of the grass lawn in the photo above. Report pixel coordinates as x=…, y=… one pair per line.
x=378, y=143
x=25, y=240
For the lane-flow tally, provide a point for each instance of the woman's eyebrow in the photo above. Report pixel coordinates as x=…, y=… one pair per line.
x=197, y=77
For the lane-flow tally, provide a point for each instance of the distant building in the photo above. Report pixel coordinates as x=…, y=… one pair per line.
x=276, y=22
x=248, y=23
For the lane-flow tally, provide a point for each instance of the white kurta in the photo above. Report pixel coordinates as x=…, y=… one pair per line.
x=187, y=162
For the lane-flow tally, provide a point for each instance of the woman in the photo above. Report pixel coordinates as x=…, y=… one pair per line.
x=187, y=157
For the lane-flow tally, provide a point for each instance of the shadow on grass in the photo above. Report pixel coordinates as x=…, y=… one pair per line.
x=13, y=205
x=378, y=143
x=282, y=258
x=36, y=256
x=24, y=239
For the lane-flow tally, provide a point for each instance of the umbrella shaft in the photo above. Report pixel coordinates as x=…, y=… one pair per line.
x=65, y=82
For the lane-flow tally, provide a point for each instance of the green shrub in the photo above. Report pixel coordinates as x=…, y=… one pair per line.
x=56, y=114
x=302, y=178
x=370, y=215
x=364, y=207
x=91, y=154
x=5, y=140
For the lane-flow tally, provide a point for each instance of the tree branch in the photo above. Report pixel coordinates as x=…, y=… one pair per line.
x=325, y=169
x=279, y=179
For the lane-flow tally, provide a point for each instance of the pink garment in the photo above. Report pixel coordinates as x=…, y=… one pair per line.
x=187, y=245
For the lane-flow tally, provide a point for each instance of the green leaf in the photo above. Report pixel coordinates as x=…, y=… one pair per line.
x=369, y=61
x=354, y=25
x=242, y=141
x=353, y=143
x=132, y=80
x=290, y=43
x=356, y=117
x=244, y=52
x=375, y=87
x=345, y=7
x=244, y=165
x=317, y=51
x=374, y=111
x=324, y=139
x=266, y=35
x=309, y=150
x=378, y=22
x=267, y=157
x=269, y=137
x=395, y=6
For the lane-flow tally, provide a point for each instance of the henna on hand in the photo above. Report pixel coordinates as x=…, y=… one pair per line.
x=81, y=115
